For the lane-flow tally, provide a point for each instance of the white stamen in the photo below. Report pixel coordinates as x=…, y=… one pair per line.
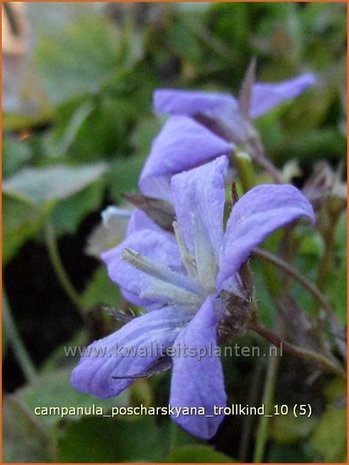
x=159, y=271
x=168, y=293
x=187, y=259
x=204, y=255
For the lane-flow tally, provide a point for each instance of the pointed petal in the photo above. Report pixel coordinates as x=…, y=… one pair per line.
x=198, y=381
x=266, y=96
x=188, y=102
x=130, y=351
x=181, y=145
x=257, y=214
x=218, y=112
x=157, y=246
x=199, y=194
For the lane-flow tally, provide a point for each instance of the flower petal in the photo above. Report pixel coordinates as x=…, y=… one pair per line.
x=188, y=102
x=218, y=112
x=200, y=192
x=157, y=246
x=198, y=381
x=139, y=220
x=181, y=145
x=111, y=364
x=257, y=214
x=266, y=96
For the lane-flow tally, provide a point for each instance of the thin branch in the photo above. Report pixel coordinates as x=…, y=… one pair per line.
x=268, y=396
x=58, y=266
x=280, y=263
x=305, y=354
x=18, y=346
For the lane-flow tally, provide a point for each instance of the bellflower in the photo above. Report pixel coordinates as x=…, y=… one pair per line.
x=185, y=282
x=205, y=125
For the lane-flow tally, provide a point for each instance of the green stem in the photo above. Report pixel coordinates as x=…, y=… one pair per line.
x=263, y=161
x=19, y=348
x=331, y=322
x=268, y=396
x=326, y=260
x=172, y=440
x=243, y=164
x=248, y=420
x=280, y=263
x=56, y=261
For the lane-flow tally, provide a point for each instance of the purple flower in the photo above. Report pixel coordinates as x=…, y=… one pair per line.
x=205, y=125
x=185, y=281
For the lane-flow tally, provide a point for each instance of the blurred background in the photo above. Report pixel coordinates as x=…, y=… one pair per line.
x=77, y=125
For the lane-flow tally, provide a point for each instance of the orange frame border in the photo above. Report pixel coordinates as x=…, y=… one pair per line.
x=170, y=1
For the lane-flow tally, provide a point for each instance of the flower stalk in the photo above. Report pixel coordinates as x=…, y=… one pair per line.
x=58, y=266
x=308, y=355
x=19, y=348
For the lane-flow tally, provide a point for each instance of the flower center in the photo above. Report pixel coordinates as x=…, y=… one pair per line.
x=166, y=286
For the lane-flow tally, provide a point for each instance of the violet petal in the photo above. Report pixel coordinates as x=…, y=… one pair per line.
x=104, y=369
x=198, y=381
x=181, y=145
x=266, y=96
x=257, y=214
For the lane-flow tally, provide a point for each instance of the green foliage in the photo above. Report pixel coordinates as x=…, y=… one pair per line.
x=329, y=439
x=288, y=429
x=330, y=436
x=197, y=454
x=77, y=60
x=24, y=439
x=42, y=187
x=100, y=290
x=21, y=222
x=54, y=389
x=121, y=441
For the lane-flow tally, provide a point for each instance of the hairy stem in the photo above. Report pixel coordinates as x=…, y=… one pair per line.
x=280, y=263
x=305, y=354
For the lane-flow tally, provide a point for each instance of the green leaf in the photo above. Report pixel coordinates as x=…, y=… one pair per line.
x=123, y=176
x=77, y=59
x=73, y=126
x=198, y=454
x=24, y=439
x=111, y=440
x=145, y=131
x=100, y=290
x=54, y=390
x=40, y=186
x=15, y=155
x=92, y=128
x=289, y=453
x=20, y=223
x=287, y=429
x=337, y=284
x=68, y=215
x=330, y=437
x=57, y=360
